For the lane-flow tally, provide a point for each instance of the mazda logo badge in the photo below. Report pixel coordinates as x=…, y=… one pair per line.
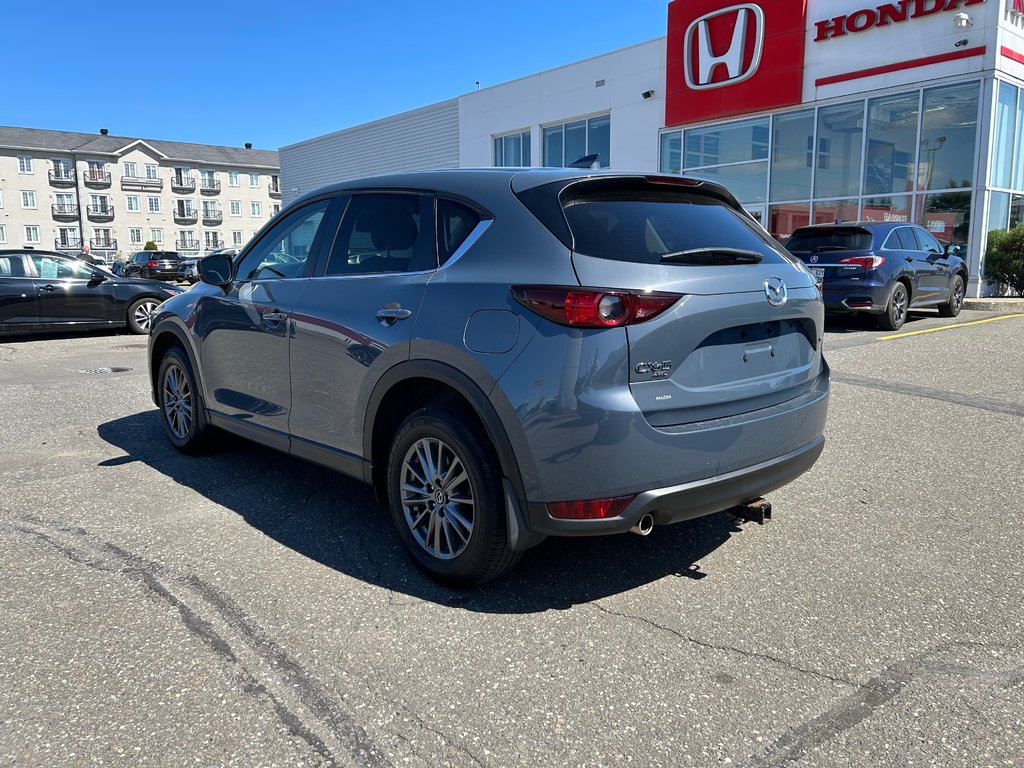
x=775, y=290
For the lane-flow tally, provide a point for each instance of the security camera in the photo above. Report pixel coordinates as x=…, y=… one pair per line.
x=962, y=21
x=647, y=94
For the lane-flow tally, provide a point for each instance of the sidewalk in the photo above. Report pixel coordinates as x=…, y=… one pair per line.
x=1006, y=306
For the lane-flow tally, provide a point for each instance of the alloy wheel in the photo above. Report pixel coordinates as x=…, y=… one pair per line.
x=437, y=498
x=899, y=307
x=958, y=297
x=143, y=314
x=177, y=401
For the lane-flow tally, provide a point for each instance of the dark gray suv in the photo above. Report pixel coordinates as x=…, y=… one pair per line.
x=509, y=354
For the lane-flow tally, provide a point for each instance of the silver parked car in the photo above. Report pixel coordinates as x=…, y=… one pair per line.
x=508, y=354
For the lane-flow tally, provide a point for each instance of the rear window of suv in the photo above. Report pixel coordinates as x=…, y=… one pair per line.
x=821, y=239
x=643, y=225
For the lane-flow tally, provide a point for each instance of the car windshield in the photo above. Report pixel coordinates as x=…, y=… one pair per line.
x=649, y=226
x=819, y=239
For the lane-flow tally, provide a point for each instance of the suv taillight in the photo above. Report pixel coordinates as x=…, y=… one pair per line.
x=152, y=264
x=868, y=262
x=592, y=307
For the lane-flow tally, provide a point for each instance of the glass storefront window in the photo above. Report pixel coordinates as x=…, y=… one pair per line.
x=1018, y=169
x=1016, y=210
x=671, y=152
x=567, y=143
x=840, y=136
x=784, y=219
x=553, y=146
x=947, y=216
x=1002, y=155
x=828, y=211
x=892, y=138
x=733, y=143
x=895, y=208
x=747, y=181
x=792, y=156
x=599, y=139
x=999, y=211
x=949, y=130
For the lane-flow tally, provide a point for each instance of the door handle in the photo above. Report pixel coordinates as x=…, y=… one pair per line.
x=391, y=315
x=48, y=288
x=275, y=317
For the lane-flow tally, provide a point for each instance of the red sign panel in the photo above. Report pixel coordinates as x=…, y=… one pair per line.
x=732, y=58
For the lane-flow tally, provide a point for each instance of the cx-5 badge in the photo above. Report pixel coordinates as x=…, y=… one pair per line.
x=775, y=290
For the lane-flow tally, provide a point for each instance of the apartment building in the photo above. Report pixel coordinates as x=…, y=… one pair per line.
x=59, y=190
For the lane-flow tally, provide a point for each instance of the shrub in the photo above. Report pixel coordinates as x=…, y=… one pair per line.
x=1004, y=258
x=150, y=246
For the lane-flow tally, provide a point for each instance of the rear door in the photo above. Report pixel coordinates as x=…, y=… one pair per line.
x=358, y=313
x=245, y=330
x=19, y=309
x=745, y=334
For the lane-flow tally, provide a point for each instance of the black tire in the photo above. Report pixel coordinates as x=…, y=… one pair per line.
x=896, y=308
x=432, y=523
x=181, y=406
x=956, y=299
x=140, y=314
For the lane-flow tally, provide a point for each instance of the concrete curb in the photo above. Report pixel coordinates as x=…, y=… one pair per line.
x=1007, y=306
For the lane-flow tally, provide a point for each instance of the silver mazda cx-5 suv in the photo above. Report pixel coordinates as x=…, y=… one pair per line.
x=509, y=354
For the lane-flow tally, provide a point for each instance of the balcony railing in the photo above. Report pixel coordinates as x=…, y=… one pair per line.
x=96, y=178
x=65, y=212
x=186, y=245
x=182, y=184
x=62, y=178
x=209, y=187
x=104, y=243
x=140, y=184
x=214, y=245
x=212, y=218
x=67, y=244
x=185, y=217
x=275, y=191
x=100, y=212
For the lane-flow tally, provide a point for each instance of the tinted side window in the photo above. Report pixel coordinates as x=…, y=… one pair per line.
x=903, y=239
x=12, y=266
x=284, y=250
x=454, y=223
x=385, y=233
x=52, y=268
x=926, y=241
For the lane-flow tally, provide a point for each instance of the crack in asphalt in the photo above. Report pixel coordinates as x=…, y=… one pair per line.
x=727, y=648
x=971, y=401
x=121, y=562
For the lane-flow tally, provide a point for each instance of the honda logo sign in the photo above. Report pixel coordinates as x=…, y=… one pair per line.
x=700, y=54
x=743, y=57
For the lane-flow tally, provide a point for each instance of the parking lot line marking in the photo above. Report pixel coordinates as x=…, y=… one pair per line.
x=948, y=327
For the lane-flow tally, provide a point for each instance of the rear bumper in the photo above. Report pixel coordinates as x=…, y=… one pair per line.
x=847, y=296
x=676, y=503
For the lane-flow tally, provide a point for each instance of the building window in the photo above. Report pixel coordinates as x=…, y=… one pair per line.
x=97, y=171
x=130, y=171
x=135, y=235
x=187, y=239
x=153, y=203
x=512, y=151
x=64, y=202
x=3, y=233
x=103, y=237
x=892, y=139
x=275, y=208
x=232, y=178
x=256, y=208
x=792, y=156
x=254, y=180
x=131, y=203
x=157, y=236
x=207, y=179
x=67, y=237
x=152, y=171
x=185, y=208
x=24, y=164
x=949, y=129
x=565, y=144
x=99, y=203
x=235, y=207
x=28, y=199
x=211, y=240
x=31, y=234
x=236, y=237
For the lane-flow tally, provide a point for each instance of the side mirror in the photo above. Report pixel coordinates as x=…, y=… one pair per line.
x=97, y=277
x=952, y=249
x=215, y=270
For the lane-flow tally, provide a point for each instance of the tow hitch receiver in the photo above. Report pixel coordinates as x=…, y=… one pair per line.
x=757, y=511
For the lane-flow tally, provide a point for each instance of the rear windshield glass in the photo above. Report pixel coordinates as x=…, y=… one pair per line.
x=642, y=226
x=830, y=239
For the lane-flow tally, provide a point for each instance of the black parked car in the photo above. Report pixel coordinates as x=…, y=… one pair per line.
x=46, y=291
x=883, y=269
x=163, y=265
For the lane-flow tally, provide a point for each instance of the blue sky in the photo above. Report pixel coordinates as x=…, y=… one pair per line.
x=220, y=72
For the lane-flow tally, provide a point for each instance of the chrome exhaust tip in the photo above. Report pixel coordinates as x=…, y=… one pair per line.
x=644, y=525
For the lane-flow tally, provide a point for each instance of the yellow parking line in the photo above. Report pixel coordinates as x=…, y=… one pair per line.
x=948, y=327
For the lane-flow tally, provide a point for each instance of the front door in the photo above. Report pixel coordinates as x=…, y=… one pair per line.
x=70, y=292
x=935, y=267
x=244, y=330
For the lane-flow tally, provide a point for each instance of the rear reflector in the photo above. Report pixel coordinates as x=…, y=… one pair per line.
x=868, y=262
x=591, y=509
x=592, y=307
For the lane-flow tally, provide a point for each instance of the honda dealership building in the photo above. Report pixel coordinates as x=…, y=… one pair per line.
x=807, y=110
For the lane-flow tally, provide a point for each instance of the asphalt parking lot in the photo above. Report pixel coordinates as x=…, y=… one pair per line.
x=250, y=609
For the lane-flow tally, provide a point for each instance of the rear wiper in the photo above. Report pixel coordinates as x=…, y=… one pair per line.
x=713, y=255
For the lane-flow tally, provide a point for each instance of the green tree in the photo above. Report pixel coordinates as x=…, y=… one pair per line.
x=150, y=246
x=1004, y=258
